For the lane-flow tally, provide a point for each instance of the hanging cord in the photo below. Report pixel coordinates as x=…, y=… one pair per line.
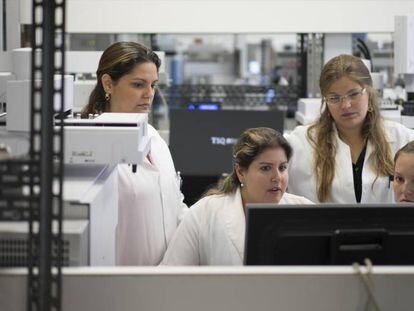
x=368, y=283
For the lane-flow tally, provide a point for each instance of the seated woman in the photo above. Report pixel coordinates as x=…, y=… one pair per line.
x=404, y=174
x=213, y=231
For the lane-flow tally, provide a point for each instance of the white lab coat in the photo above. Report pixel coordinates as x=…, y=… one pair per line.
x=213, y=231
x=301, y=175
x=150, y=206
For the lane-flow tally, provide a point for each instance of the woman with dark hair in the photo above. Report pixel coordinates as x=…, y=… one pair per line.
x=150, y=202
x=404, y=174
x=213, y=231
x=346, y=155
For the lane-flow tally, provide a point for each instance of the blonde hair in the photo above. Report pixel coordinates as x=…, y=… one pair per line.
x=249, y=146
x=322, y=136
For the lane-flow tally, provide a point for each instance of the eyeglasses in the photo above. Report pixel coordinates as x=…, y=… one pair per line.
x=352, y=96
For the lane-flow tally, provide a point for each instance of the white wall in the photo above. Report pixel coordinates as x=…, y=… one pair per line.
x=230, y=16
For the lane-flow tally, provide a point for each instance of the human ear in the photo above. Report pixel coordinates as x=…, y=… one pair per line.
x=240, y=173
x=107, y=83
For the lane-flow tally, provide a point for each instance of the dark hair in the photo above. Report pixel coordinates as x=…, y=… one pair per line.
x=408, y=148
x=249, y=146
x=117, y=60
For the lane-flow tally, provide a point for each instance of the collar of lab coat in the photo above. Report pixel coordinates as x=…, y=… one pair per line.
x=343, y=157
x=391, y=139
x=341, y=145
x=235, y=221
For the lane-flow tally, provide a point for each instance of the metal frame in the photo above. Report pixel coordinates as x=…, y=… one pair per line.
x=46, y=144
x=179, y=96
x=310, y=62
x=302, y=64
x=42, y=172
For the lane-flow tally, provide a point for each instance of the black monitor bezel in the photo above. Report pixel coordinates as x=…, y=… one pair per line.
x=370, y=217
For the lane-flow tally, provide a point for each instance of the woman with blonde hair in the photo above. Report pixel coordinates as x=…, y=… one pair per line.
x=346, y=156
x=150, y=203
x=213, y=230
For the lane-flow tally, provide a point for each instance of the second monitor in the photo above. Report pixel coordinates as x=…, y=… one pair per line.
x=201, y=142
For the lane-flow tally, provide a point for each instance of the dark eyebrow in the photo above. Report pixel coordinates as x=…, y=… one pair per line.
x=268, y=163
x=142, y=80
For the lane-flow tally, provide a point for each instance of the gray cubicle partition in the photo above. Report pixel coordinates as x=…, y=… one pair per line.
x=219, y=288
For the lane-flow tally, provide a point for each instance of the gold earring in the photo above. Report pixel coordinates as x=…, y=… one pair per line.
x=107, y=97
x=370, y=109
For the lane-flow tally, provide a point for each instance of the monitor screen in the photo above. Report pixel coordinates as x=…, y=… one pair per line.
x=329, y=234
x=201, y=141
x=203, y=106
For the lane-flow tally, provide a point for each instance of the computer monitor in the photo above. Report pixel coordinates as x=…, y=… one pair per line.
x=201, y=142
x=329, y=234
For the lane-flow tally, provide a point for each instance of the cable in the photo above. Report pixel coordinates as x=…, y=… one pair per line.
x=361, y=45
x=368, y=283
x=4, y=25
x=363, y=50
